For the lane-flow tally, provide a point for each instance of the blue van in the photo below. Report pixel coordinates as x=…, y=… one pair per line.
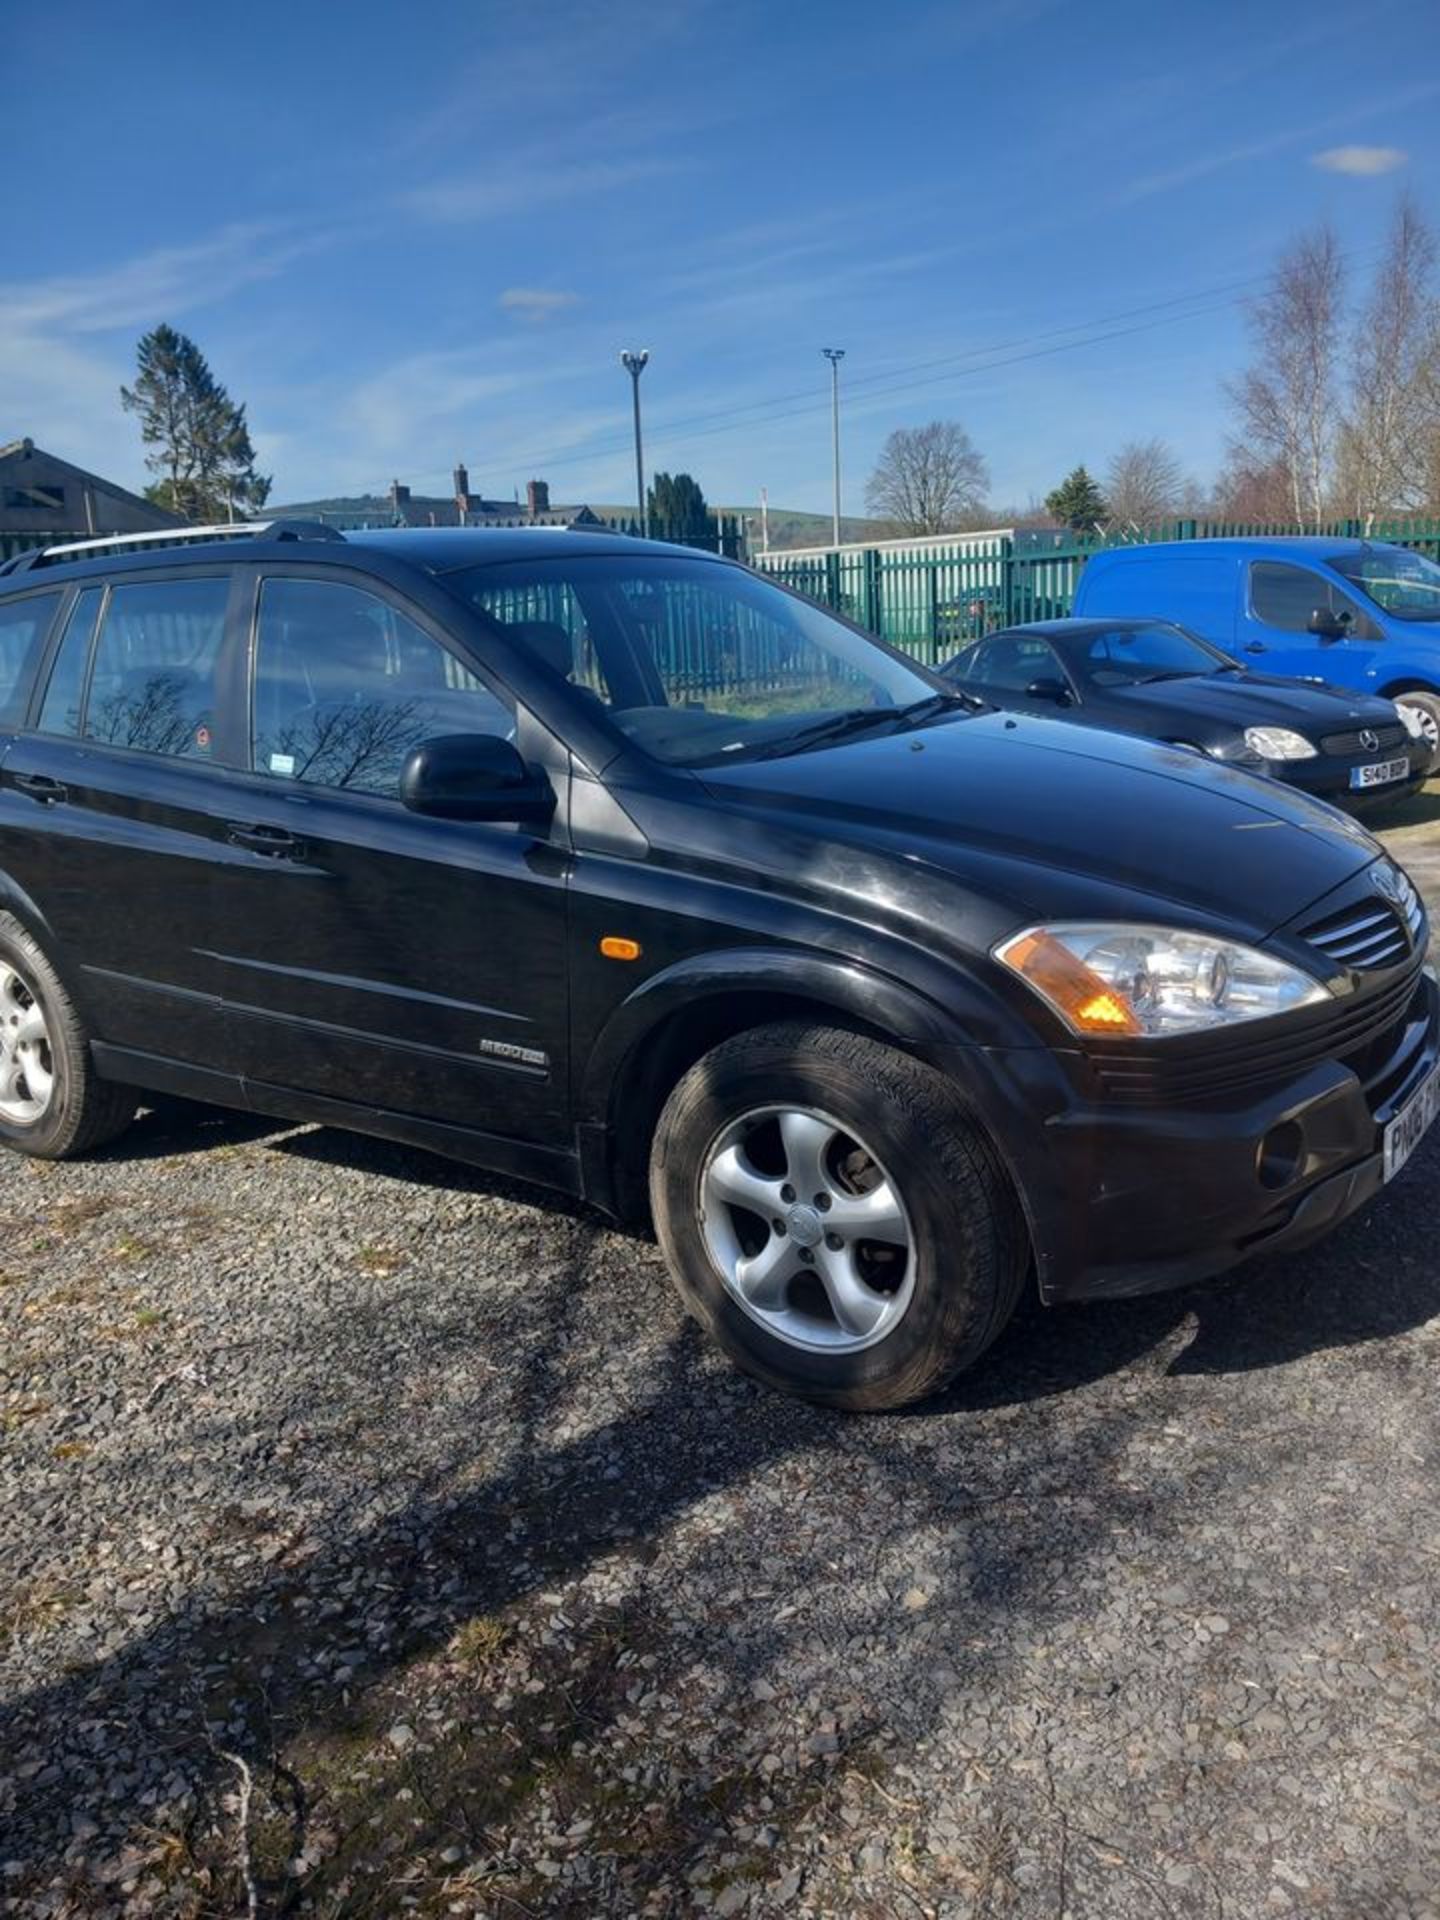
x=1357, y=613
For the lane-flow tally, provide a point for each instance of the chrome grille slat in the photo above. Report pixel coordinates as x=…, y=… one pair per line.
x=1381, y=919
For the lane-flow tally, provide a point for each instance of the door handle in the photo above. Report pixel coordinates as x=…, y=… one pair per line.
x=1255, y=646
x=41, y=787
x=276, y=843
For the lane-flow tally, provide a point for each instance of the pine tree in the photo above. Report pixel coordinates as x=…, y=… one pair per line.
x=1077, y=502
x=678, y=510
x=198, y=435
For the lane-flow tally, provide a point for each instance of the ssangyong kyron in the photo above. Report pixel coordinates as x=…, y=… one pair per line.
x=619, y=868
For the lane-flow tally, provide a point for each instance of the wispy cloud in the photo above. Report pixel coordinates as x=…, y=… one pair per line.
x=522, y=188
x=1216, y=161
x=536, y=304
x=153, y=286
x=1359, y=160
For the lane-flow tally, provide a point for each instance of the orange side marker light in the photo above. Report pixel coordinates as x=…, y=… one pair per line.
x=615, y=947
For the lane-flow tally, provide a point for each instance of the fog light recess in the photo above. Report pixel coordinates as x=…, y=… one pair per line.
x=1281, y=1153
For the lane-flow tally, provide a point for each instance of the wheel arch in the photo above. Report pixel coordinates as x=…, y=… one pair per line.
x=657, y=1035
x=1410, y=682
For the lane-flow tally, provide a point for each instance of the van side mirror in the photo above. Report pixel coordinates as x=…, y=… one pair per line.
x=474, y=776
x=1049, y=689
x=1328, y=624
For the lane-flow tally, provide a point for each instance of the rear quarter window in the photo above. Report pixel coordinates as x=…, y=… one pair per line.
x=24, y=625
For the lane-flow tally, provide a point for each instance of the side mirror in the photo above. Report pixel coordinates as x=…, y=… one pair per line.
x=1049, y=689
x=473, y=776
x=1329, y=626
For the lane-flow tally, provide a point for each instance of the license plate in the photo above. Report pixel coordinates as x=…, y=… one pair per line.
x=1407, y=1129
x=1379, y=773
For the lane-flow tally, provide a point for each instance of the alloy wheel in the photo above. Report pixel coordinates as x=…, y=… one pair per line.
x=27, y=1068
x=807, y=1229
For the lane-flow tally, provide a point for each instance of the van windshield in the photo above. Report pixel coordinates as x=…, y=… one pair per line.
x=1398, y=581
x=700, y=663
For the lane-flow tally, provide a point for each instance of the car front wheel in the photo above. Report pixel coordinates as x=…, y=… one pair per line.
x=834, y=1217
x=1426, y=709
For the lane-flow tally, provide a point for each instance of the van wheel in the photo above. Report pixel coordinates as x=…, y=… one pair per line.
x=53, y=1104
x=834, y=1217
x=1426, y=709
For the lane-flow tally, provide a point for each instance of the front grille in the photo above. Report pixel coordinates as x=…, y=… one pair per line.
x=1381, y=740
x=1380, y=929
x=1357, y=1031
x=1373, y=935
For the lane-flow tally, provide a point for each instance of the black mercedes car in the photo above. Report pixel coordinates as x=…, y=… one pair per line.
x=619, y=868
x=1153, y=678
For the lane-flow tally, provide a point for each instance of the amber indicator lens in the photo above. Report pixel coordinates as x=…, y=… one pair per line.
x=615, y=947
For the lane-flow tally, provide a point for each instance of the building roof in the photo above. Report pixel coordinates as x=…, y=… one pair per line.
x=42, y=493
x=433, y=510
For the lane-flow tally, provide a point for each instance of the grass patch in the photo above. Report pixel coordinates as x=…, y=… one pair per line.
x=480, y=1641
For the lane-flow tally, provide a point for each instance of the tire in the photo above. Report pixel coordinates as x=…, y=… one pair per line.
x=1427, y=706
x=78, y=1111
x=893, y=1143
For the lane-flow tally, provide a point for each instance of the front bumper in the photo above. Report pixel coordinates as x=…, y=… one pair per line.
x=1327, y=776
x=1127, y=1199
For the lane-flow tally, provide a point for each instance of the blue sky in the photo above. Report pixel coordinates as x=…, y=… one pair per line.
x=405, y=235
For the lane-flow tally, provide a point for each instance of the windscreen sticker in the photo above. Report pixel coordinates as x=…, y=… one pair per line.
x=282, y=763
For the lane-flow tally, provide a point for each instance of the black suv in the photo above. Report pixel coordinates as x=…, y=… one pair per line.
x=620, y=868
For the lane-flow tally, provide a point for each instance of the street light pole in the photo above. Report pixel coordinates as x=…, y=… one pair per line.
x=635, y=364
x=835, y=355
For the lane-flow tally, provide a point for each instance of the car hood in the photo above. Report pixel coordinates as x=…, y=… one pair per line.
x=1052, y=819
x=1254, y=700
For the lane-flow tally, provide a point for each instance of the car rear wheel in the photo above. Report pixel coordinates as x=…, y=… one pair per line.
x=834, y=1217
x=1426, y=709
x=53, y=1105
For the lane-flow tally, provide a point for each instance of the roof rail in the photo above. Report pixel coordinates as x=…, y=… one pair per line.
x=172, y=537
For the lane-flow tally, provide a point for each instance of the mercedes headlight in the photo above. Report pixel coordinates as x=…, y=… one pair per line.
x=1278, y=743
x=1152, y=981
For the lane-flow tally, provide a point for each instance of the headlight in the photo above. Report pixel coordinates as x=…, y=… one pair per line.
x=1278, y=743
x=1153, y=980
x=1413, y=724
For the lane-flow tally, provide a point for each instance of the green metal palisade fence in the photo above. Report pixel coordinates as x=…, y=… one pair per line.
x=928, y=596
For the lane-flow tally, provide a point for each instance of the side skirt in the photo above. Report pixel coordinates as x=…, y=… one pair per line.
x=554, y=1167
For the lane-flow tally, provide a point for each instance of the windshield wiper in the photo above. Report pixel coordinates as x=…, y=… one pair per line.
x=861, y=719
x=934, y=704
x=853, y=720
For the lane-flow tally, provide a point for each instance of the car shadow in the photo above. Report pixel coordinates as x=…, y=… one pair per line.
x=1369, y=1281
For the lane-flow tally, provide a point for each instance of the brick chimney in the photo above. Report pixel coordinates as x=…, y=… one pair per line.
x=398, y=496
x=462, y=489
x=537, y=493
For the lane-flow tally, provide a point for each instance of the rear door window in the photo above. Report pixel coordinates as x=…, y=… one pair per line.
x=63, y=707
x=152, y=687
x=24, y=625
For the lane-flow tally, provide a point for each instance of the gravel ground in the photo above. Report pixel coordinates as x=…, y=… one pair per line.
x=379, y=1538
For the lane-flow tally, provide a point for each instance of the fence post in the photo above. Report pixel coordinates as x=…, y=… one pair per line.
x=871, y=601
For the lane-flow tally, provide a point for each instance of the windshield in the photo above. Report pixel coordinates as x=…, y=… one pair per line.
x=1403, y=583
x=1122, y=656
x=697, y=663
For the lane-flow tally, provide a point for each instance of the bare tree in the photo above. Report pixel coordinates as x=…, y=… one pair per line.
x=1144, y=484
x=1249, y=490
x=927, y=479
x=1388, y=438
x=1287, y=401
